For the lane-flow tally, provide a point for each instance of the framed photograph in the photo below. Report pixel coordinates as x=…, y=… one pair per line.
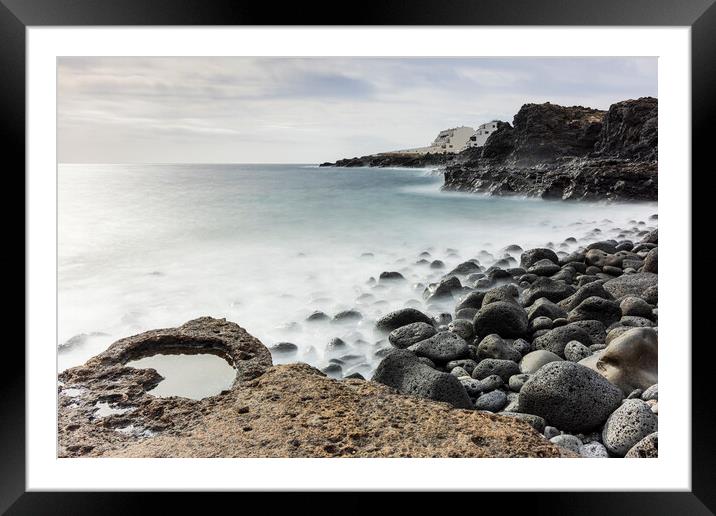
x=416, y=250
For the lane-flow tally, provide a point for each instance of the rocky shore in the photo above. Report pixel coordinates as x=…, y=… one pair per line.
x=555, y=152
x=545, y=352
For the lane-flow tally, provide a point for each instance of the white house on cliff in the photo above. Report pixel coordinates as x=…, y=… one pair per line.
x=483, y=132
x=455, y=140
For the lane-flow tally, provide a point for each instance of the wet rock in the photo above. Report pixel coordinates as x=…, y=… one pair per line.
x=533, y=361
x=471, y=300
x=628, y=425
x=336, y=345
x=569, y=396
x=402, y=370
x=402, y=317
x=506, y=319
x=284, y=348
x=492, y=346
x=556, y=339
x=318, y=316
x=464, y=269
x=647, y=448
x=410, y=334
x=390, y=276
x=437, y=264
x=540, y=323
x=630, y=361
x=492, y=401
x=442, y=347
x=544, y=268
x=596, y=309
x=532, y=256
x=502, y=368
x=333, y=370
x=348, y=316
x=467, y=314
x=459, y=372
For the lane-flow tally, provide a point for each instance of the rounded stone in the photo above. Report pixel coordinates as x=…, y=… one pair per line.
x=593, y=450
x=571, y=442
x=647, y=448
x=636, y=306
x=409, y=334
x=628, y=425
x=652, y=393
x=596, y=309
x=556, y=339
x=506, y=319
x=492, y=346
x=517, y=381
x=569, y=396
x=462, y=327
x=632, y=285
x=575, y=351
x=442, y=347
x=492, y=401
x=402, y=317
x=533, y=361
x=489, y=366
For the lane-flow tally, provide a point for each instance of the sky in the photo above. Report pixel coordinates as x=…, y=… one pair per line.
x=309, y=110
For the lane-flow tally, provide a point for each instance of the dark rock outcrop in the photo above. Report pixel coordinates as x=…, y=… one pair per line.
x=567, y=152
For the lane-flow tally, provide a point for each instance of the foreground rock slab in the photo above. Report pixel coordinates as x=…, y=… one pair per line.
x=271, y=411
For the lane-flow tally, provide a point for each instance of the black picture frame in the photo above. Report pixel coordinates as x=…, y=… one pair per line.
x=700, y=15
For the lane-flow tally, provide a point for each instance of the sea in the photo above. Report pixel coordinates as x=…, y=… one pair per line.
x=152, y=246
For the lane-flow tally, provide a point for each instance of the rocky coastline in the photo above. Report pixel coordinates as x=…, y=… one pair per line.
x=554, y=152
x=551, y=355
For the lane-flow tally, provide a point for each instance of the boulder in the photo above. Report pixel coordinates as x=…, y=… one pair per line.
x=553, y=290
x=593, y=289
x=556, y=339
x=569, y=396
x=442, y=347
x=502, y=368
x=575, y=351
x=628, y=425
x=596, y=309
x=635, y=306
x=532, y=362
x=647, y=448
x=503, y=318
x=507, y=293
x=632, y=285
x=471, y=300
x=409, y=334
x=402, y=317
x=543, y=307
x=402, y=370
x=651, y=262
x=492, y=346
x=532, y=256
x=462, y=327
x=595, y=330
x=630, y=361
x=492, y=401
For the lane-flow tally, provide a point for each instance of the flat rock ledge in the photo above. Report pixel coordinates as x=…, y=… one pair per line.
x=289, y=410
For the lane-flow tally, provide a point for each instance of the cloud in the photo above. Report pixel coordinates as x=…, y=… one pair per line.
x=144, y=109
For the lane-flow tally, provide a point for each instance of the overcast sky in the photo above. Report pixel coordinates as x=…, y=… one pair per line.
x=309, y=110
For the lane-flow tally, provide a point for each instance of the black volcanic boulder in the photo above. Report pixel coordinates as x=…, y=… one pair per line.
x=402, y=317
x=391, y=276
x=442, y=347
x=506, y=319
x=493, y=346
x=532, y=256
x=409, y=334
x=632, y=285
x=464, y=269
x=471, y=300
x=595, y=288
x=403, y=370
x=569, y=396
x=553, y=290
x=596, y=309
x=555, y=340
x=495, y=366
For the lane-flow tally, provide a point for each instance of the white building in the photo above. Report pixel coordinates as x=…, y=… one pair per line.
x=483, y=132
x=448, y=141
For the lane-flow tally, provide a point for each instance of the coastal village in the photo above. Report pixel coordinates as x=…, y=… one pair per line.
x=454, y=140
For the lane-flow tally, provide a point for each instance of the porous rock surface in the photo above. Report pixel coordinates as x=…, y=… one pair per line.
x=271, y=411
